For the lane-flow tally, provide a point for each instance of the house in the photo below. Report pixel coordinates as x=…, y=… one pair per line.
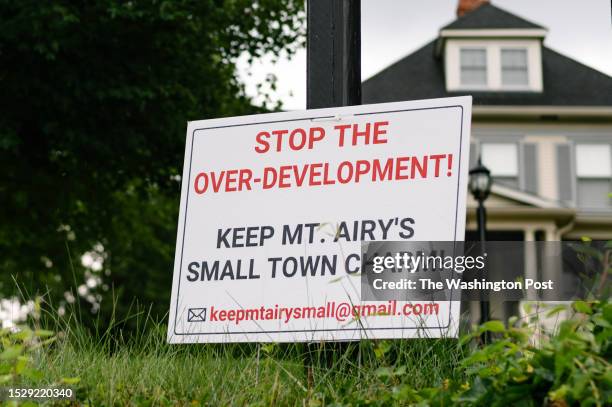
x=542, y=122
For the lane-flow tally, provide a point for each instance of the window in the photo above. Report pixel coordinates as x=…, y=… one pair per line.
x=593, y=161
x=490, y=65
x=514, y=67
x=473, y=66
x=502, y=160
x=594, y=175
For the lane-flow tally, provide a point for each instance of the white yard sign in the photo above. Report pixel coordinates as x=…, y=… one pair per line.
x=274, y=208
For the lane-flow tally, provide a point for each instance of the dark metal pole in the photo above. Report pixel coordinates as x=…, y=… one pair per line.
x=333, y=63
x=482, y=228
x=333, y=72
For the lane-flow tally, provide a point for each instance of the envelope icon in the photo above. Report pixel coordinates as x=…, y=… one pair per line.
x=196, y=315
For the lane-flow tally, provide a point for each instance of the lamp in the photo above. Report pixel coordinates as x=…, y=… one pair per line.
x=480, y=182
x=480, y=187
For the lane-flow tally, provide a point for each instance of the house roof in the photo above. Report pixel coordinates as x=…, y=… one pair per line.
x=420, y=75
x=509, y=204
x=524, y=198
x=489, y=16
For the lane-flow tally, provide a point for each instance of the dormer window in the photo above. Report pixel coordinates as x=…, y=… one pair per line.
x=490, y=50
x=474, y=66
x=514, y=67
x=493, y=65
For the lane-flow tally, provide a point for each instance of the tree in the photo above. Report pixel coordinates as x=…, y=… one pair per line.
x=95, y=100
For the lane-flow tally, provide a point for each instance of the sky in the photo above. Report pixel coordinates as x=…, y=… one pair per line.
x=392, y=29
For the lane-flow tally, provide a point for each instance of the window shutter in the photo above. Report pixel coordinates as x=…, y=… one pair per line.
x=473, y=154
x=530, y=167
x=565, y=176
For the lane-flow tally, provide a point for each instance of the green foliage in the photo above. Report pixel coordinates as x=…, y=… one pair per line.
x=17, y=352
x=95, y=100
x=571, y=367
x=596, y=259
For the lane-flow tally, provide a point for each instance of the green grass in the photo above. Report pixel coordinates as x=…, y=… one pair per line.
x=145, y=370
x=110, y=368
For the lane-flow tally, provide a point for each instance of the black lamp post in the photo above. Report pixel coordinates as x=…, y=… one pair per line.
x=480, y=187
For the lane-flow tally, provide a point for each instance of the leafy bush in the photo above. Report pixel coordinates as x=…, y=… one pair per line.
x=571, y=367
x=20, y=349
x=17, y=349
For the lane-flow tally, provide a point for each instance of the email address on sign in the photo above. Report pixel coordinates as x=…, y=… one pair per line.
x=341, y=311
